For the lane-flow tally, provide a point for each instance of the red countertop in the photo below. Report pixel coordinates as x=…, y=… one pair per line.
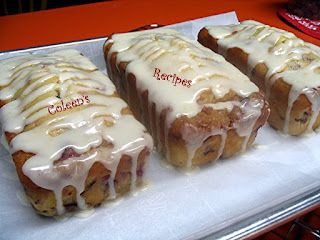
x=101, y=19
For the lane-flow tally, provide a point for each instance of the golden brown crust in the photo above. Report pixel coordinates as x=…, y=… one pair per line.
x=301, y=111
x=96, y=184
x=205, y=121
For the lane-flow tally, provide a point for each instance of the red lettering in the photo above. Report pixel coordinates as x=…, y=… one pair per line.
x=174, y=76
x=58, y=108
x=74, y=103
x=178, y=80
x=50, y=107
x=68, y=105
x=81, y=101
x=156, y=73
x=175, y=80
x=87, y=99
x=62, y=105
x=163, y=76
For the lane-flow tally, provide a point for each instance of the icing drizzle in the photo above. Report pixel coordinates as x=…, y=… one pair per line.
x=171, y=52
x=286, y=56
x=32, y=82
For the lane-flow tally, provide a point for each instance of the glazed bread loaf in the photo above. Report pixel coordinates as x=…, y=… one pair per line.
x=197, y=106
x=285, y=67
x=74, y=142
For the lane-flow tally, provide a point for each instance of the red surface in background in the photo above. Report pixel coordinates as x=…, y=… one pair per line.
x=101, y=19
x=310, y=27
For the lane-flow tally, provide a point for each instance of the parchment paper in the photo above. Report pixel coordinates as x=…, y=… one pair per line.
x=176, y=204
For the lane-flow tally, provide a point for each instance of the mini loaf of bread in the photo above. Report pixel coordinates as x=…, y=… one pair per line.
x=73, y=140
x=197, y=106
x=285, y=67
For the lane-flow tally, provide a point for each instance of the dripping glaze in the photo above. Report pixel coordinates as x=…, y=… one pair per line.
x=171, y=52
x=66, y=75
x=278, y=49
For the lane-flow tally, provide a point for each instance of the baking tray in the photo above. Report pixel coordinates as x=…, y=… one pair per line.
x=304, y=227
x=230, y=199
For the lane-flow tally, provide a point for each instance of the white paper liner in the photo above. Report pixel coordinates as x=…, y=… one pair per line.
x=175, y=205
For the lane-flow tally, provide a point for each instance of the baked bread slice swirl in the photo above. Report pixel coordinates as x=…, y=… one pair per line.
x=73, y=140
x=197, y=106
x=285, y=67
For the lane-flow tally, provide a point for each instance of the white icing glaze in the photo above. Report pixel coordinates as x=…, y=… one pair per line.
x=172, y=53
x=196, y=140
x=286, y=56
x=84, y=128
x=85, y=213
x=245, y=125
